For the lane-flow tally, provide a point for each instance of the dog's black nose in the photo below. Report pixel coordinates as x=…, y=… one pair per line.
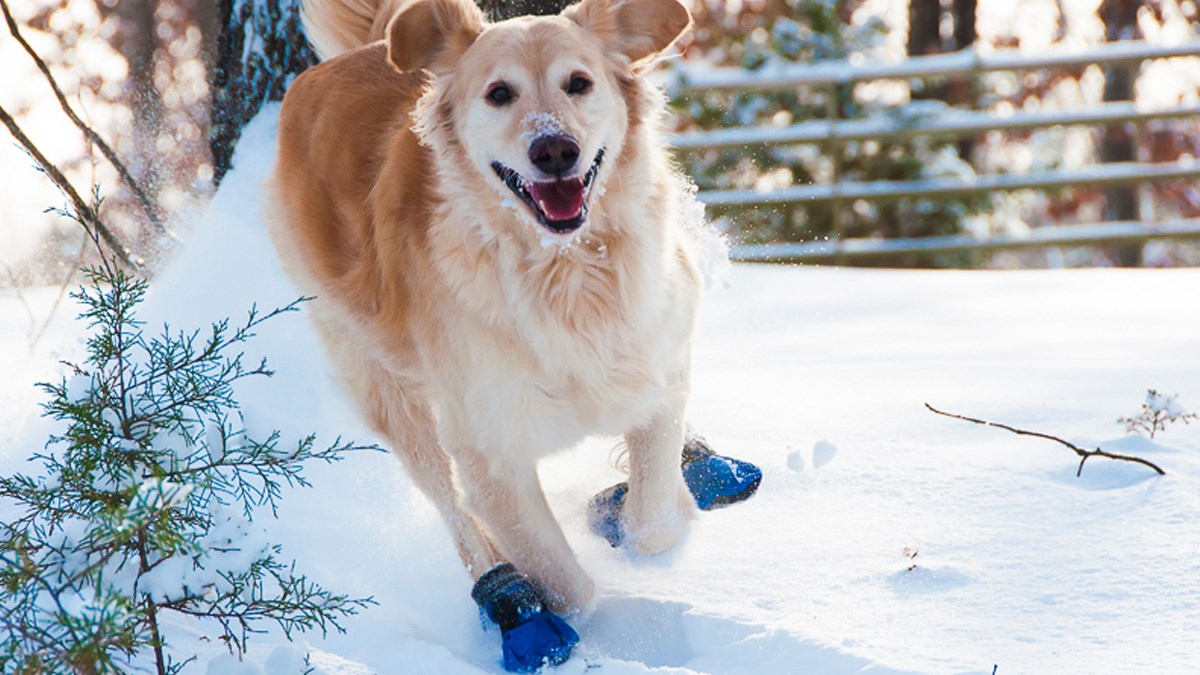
x=554, y=154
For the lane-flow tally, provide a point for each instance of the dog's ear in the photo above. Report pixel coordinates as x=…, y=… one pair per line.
x=639, y=29
x=427, y=33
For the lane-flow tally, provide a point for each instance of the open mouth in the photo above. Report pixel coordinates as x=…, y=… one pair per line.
x=560, y=204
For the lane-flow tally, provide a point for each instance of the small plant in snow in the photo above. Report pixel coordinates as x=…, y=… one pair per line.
x=910, y=555
x=143, y=506
x=1158, y=411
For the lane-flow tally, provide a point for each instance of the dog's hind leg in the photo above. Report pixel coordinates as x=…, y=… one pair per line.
x=510, y=502
x=659, y=505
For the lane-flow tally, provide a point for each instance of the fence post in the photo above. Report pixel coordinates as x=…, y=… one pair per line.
x=1118, y=146
x=832, y=108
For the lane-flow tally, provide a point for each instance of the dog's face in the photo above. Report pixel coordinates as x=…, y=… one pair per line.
x=541, y=107
x=536, y=104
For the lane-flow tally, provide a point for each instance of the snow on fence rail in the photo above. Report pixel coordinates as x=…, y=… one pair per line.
x=1059, y=235
x=947, y=123
x=966, y=62
x=1117, y=173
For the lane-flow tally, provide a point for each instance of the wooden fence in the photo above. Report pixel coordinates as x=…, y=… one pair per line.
x=950, y=123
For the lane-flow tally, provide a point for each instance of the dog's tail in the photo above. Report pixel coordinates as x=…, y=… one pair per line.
x=337, y=26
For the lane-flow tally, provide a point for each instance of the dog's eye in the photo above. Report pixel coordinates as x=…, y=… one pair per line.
x=579, y=85
x=500, y=94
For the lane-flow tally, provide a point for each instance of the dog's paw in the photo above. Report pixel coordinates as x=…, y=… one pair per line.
x=656, y=521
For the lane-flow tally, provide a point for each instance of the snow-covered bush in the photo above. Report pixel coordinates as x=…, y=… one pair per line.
x=144, y=503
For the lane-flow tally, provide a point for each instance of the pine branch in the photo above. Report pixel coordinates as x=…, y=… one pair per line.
x=143, y=199
x=1082, y=453
x=215, y=344
x=295, y=605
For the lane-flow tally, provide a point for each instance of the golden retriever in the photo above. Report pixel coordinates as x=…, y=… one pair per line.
x=493, y=228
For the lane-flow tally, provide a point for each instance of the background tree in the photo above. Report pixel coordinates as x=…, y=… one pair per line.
x=261, y=48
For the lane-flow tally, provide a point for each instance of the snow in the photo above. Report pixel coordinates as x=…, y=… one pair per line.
x=823, y=453
x=539, y=124
x=1164, y=404
x=1021, y=565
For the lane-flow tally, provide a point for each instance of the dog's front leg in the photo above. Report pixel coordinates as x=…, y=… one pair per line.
x=510, y=502
x=659, y=506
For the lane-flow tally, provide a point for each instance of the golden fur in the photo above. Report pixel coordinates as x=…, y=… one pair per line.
x=475, y=340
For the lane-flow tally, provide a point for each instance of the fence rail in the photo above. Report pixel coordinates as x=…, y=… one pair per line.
x=944, y=123
x=1099, y=175
x=949, y=123
x=965, y=63
x=1058, y=235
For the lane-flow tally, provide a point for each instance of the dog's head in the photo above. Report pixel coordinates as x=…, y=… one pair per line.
x=535, y=104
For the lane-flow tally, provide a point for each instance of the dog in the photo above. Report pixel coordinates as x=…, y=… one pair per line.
x=493, y=229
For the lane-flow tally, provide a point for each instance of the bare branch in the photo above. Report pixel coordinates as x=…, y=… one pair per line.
x=143, y=199
x=88, y=218
x=17, y=286
x=34, y=334
x=62, y=293
x=1083, y=454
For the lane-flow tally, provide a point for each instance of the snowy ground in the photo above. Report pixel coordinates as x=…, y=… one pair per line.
x=819, y=376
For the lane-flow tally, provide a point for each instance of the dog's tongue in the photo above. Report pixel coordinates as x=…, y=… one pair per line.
x=559, y=199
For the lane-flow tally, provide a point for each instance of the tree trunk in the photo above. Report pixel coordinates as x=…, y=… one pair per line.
x=499, y=10
x=924, y=19
x=962, y=93
x=1120, y=21
x=964, y=23
x=136, y=42
x=925, y=38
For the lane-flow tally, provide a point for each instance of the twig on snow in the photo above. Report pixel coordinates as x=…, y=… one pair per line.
x=1084, y=455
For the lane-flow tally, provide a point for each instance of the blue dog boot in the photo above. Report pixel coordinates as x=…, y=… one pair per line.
x=543, y=640
x=604, y=514
x=530, y=636
x=714, y=481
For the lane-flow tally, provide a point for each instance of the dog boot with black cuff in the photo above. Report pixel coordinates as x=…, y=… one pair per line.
x=714, y=481
x=531, y=637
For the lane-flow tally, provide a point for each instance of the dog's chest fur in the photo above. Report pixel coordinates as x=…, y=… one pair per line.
x=582, y=339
